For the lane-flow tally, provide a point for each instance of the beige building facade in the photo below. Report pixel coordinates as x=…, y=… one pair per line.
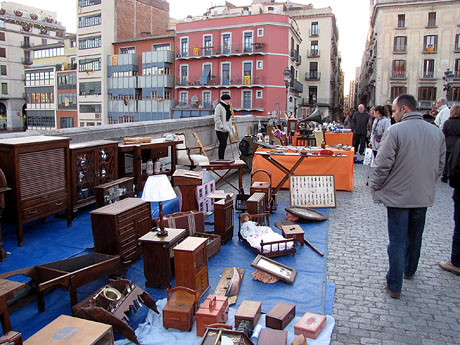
x=411, y=44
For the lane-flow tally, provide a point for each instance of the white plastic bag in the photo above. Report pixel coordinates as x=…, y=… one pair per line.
x=368, y=157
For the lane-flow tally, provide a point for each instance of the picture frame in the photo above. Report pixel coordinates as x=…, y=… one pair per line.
x=317, y=191
x=280, y=271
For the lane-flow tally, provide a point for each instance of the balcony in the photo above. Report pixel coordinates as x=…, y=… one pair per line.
x=26, y=45
x=398, y=75
x=217, y=81
x=314, y=32
x=211, y=52
x=26, y=61
x=298, y=86
x=427, y=75
x=298, y=61
x=312, y=75
x=426, y=104
x=401, y=50
x=313, y=53
x=254, y=105
x=430, y=50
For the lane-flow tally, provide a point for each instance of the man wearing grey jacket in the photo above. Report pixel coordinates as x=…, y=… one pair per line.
x=409, y=160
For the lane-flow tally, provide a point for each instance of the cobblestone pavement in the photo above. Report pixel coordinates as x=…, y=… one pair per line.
x=429, y=309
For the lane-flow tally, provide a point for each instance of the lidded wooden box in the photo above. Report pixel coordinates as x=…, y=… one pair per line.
x=256, y=203
x=310, y=325
x=272, y=337
x=213, y=310
x=262, y=187
x=280, y=315
x=250, y=311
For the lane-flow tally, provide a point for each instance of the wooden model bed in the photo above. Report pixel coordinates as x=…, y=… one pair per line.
x=270, y=248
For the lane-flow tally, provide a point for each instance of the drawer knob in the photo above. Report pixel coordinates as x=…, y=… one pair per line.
x=33, y=212
x=59, y=203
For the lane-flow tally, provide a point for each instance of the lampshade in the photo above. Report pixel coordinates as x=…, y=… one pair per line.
x=158, y=188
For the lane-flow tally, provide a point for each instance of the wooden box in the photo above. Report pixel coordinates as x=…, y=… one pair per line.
x=280, y=315
x=212, y=243
x=272, y=337
x=116, y=190
x=256, y=203
x=68, y=330
x=262, y=187
x=310, y=325
x=250, y=311
x=213, y=310
x=11, y=338
x=223, y=219
x=178, y=313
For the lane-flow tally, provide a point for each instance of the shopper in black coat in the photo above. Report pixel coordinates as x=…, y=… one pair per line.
x=359, y=125
x=451, y=130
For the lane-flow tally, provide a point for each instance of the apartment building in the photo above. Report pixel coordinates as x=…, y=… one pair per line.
x=100, y=23
x=141, y=83
x=241, y=55
x=21, y=29
x=410, y=47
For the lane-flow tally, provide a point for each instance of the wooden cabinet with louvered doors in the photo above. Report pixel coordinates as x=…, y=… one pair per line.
x=117, y=227
x=37, y=171
x=223, y=219
x=191, y=265
x=92, y=163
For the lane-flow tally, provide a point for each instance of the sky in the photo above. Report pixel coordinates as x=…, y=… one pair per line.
x=352, y=21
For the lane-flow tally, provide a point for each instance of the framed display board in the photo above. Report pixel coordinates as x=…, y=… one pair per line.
x=282, y=272
x=312, y=191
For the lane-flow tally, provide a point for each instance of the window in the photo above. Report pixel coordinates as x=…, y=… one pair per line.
x=457, y=69
x=428, y=69
x=162, y=46
x=205, y=74
x=90, y=88
x=225, y=73
x=399, y=69
x=88, y=65
x=247, y=41
x=260, y=32
x=314, y=31
x=86, y=3
x=259, y=94
x=184, y=46
x=207, y=45
x=67, y=81
x=3, y=52
x=398, y=90
x=49, y=52
x=314, y=49
x=247, y=73
x=400, y=44
x=184, y=74
x=90, y=108
x=128, y=50
x=183, y=97
x=313, y=74
x=3, y=70
x=431, y=19
x=167, y=94
x=67, y=100
x=2, y=36
x=206, y=99
x=455, y=94
x=426, y=93
x=259, y=64
x=66, y=122
x=226, y=43
x=430, y=43
x=44, y=41
x=4, y=88
x=401, y=20
x=312, y=94
x=86, y=21
x=247, y=99
x=457, y=43
x=89, y=42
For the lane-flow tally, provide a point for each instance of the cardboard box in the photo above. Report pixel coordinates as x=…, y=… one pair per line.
x=310, y=325
x=280, y=315
x=68, y=330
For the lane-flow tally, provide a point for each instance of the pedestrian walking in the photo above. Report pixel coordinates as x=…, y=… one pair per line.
x=409, y=159
x=359, y=126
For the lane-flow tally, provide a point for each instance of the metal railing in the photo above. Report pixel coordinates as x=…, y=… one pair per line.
x=313, y=75
x=313, y=53
x=218, y=81
x=197, y=52
x=398, y=75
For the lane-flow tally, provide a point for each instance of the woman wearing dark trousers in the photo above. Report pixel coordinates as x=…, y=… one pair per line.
x=223, y=121
x=451, y=130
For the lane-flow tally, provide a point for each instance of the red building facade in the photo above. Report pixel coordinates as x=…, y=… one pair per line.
x=244, y=56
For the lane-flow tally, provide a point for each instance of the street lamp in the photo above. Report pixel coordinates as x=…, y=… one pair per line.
x=287, y=81
x=448, y=79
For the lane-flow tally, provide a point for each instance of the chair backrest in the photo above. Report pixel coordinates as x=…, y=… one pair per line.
x=181, y=136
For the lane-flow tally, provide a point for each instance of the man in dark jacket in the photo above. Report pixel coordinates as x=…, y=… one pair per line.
x=359, y=125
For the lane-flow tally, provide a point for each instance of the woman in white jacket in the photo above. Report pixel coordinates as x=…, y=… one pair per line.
x=379, y=126
x=223, y=122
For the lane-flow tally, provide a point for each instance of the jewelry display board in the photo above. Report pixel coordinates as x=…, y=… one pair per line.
x=312, y=191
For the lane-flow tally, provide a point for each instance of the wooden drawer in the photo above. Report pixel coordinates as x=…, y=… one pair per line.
x=45, y=208
x=45, y=198
x=133, y=214
x=160, y=152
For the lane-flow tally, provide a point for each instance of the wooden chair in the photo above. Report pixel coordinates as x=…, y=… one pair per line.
x=180, y=309
x=185, y=155
x=205, y=148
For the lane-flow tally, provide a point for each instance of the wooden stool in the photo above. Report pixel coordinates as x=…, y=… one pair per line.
x=179, y=311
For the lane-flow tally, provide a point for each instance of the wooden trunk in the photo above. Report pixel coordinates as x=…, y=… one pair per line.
x=223, y=219
x=256, y=203
x=262, y=187
x=280, y=315
x=250, y=311
x=310, y=325
x=213, y=310
x=272, y=337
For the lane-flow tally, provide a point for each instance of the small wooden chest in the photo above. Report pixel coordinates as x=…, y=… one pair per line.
x=256, y=203
x=212, y=243
x=250, y=311
x=310, y=325
x=178, y=312
x=213, y=310
x=280, y=315
x=272, y=337
x=262, y=187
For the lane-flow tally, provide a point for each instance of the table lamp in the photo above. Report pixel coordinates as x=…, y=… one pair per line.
x=158, y=188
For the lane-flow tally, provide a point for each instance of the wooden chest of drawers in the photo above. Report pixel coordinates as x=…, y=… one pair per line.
x=37, y=171
x=191, y=265
x=117, y=227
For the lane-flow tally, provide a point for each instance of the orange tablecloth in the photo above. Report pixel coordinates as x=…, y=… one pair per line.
x=339, y=138
x=340, y=167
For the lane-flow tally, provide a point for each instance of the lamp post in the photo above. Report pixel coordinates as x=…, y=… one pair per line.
x=287, y=81
x=447, y=81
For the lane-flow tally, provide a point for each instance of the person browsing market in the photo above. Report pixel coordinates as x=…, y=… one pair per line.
x=223, y=123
